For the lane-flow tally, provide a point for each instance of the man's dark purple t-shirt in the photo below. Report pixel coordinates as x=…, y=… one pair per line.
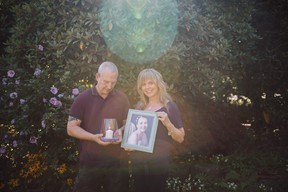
x=91, y=109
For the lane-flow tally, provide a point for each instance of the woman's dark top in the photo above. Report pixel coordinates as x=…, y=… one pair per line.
x=163, y=142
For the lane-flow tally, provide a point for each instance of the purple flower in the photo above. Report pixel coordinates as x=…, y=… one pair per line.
x=2, y=150
x=13, y=95
x=11, y=104
x=54, y=90
x=23, y=133
x=37, y=72
x=17, y=81
x=53, y=101
x=13, y=121
x=40, y=48
x=4, y=81
x=22, y=101
x=58, y=104
x=11, y=73
x=14, y=143
x=33, y=140
x=43, y=124
x=75, y=91
x=44, y=100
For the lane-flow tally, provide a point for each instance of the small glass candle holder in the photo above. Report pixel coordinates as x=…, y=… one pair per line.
x=110, y=126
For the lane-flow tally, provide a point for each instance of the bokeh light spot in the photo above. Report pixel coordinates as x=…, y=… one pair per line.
x=139, y=31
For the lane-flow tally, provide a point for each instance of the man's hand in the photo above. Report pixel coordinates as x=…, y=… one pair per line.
x=97, y=139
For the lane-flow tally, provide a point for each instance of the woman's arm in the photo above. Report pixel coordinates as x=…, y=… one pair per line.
x=177, y=134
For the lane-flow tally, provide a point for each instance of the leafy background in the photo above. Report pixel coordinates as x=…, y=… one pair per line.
x=226, y=69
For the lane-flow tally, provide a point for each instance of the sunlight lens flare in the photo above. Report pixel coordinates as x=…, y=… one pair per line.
x=139, y=31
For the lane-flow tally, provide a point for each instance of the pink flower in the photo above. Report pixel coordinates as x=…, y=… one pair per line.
x=4, y=81
x=75, y=91
x=53, y=101
x=33, y=140
x=14, y=143
x=2, y=150
x=22, y=101
x=13, y=121
x=11, y=73
x=40, y=48
x=58, y=104
x=13, y=95
x=54, y=90
x=37, y=72
x=43, y=124
x=22, y=133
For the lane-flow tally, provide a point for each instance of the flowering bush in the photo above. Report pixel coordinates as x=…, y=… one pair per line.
x=39, y=82
x=33, y=139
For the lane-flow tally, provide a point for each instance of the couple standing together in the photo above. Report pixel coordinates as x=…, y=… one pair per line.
x=103, y=166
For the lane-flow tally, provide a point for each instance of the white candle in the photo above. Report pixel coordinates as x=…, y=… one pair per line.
x=109, y=134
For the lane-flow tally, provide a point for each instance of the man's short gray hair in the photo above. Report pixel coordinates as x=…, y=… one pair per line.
x=108, y=65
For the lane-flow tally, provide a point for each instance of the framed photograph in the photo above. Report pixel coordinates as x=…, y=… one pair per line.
x=140, y=130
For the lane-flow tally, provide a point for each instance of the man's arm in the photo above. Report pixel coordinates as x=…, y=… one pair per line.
x=74, y=130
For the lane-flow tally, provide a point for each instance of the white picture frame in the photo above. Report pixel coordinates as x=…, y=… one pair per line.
x=132, y=131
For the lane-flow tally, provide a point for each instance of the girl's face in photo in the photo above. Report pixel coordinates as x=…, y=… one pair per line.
x=142, y=124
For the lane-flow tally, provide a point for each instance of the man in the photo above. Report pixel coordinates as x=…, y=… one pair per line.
x=101, y=168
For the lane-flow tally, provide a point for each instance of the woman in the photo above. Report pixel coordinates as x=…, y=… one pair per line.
x=150, y=170
x=139, y=137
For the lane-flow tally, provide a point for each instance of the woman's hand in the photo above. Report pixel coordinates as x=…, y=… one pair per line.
x=176, y=134
x=163, y=117
x=127, y=149
x=118, y=135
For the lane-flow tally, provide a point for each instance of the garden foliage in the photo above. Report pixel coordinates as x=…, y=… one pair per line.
x=51, y=50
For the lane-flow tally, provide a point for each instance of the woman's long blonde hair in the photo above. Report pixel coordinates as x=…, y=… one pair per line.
x=155, y=76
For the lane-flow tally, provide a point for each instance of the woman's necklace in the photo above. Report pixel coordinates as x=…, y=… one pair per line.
x=153, y=107
x=149, y=108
